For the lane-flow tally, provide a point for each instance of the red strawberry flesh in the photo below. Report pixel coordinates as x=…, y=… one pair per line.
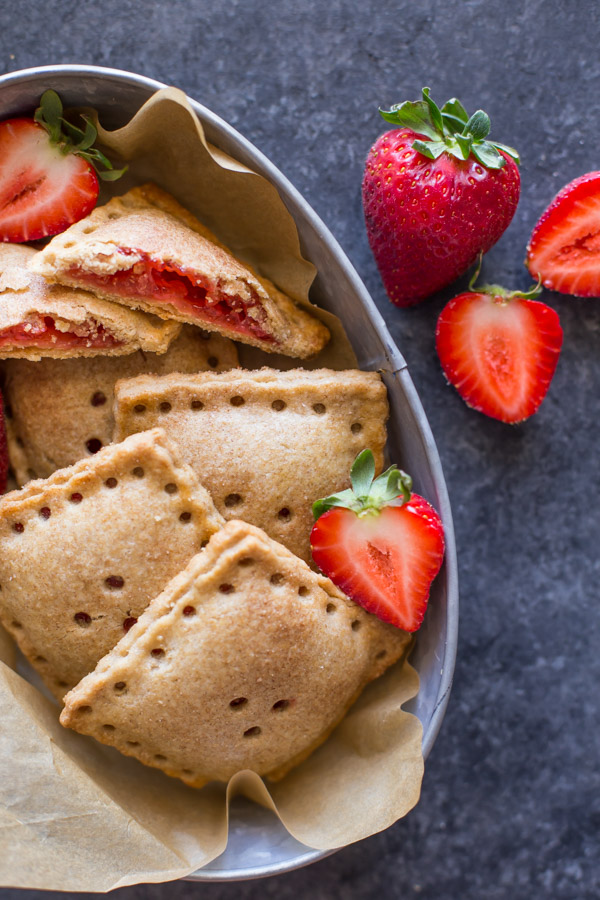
x=499, y=354
x=42, y=189
x=564, y=248
x=384, y=561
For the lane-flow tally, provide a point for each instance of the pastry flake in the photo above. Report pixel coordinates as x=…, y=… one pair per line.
x=83, y=553
x=62, y=410
x=40, y=320
x=146, y=251
x=265, y=443
x=247, y=660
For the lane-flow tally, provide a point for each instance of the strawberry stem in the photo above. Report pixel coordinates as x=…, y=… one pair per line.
x=450, y=130
x=71, y=139
x=497, y=290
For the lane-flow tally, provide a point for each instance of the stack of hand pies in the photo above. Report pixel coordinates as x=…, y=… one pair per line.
x=155, y=563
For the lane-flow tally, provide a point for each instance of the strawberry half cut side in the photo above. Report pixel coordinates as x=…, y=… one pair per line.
x=499, y=349
x=380, y=544
x=49, y=172
x=191, y=296
x=564, y=249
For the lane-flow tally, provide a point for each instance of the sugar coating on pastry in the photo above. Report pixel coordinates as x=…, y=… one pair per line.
x=265, y=443
x=247, y=660
x=40, y=320
x=62, y=410
x=146, y=251
x=84, y=552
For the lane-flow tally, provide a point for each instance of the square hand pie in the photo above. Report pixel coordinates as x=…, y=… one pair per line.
x=62, y=409
x=146, y=251
x=265, y=443
x=38, y=319
x=247, y=660
x=83, y=553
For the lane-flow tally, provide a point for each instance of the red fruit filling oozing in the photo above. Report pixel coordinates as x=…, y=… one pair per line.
x=42, y=332
x=164, y=283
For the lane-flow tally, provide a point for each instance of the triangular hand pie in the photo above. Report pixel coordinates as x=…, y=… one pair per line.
x=62, y=409
x=265, y=443
x=83, y=553
x=146, y=251
x=38, y=319
x=247, y=660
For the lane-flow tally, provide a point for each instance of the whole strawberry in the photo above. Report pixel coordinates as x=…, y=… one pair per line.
x=436, y=194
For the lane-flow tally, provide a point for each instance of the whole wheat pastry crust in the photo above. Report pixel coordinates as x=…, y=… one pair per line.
x=83, y=552
x=265, y=443
x=28, y=304
x=62, y=408
x=146, y=226
x=247, y=660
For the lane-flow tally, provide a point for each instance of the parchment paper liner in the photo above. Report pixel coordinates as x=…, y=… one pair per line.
x=75, y=815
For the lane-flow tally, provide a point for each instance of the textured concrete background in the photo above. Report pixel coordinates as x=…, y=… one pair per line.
x=510, y=804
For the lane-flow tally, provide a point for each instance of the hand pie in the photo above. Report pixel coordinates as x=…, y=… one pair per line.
x=62, y=410
x=83, y=553
x=146, y=251
x=265, y=443
x=247, y=660
x=37, y=319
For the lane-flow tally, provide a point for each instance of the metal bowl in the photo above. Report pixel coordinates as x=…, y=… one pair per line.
x=258, y=844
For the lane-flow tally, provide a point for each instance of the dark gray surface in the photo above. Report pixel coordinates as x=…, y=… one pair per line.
x=510, y=805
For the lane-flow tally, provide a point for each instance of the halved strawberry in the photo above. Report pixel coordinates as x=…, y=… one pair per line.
x=3, y=450
x=379, y=543
x=564, y=249
x=47, y=176
x=499, y=349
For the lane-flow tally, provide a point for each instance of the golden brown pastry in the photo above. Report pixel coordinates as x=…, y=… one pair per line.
x=247, y=660
x=146, y=251
x=39, y=320
x=62, y=410
x=265, y=443
x=82, y=553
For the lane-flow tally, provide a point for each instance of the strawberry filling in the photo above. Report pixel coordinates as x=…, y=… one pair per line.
x=42, y=332
x=164, y=283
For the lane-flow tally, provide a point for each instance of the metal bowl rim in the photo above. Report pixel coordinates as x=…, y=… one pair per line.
x=285, y=187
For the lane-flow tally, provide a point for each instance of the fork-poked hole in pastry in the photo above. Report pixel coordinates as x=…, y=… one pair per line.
x=186, y=291
x=46, y=332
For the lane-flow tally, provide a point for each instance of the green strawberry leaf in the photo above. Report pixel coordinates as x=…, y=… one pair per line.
x=392, y=488
x=346, y=499
x=434, y=111
x=465, y=144
x=112, y=174
x=413, y=115
x=70, y=138
x=510, y=151
x=450, y=130
x=487, y=155
x=478, y=126
x=455, y=111
x=362, y=473
x=430, y=149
